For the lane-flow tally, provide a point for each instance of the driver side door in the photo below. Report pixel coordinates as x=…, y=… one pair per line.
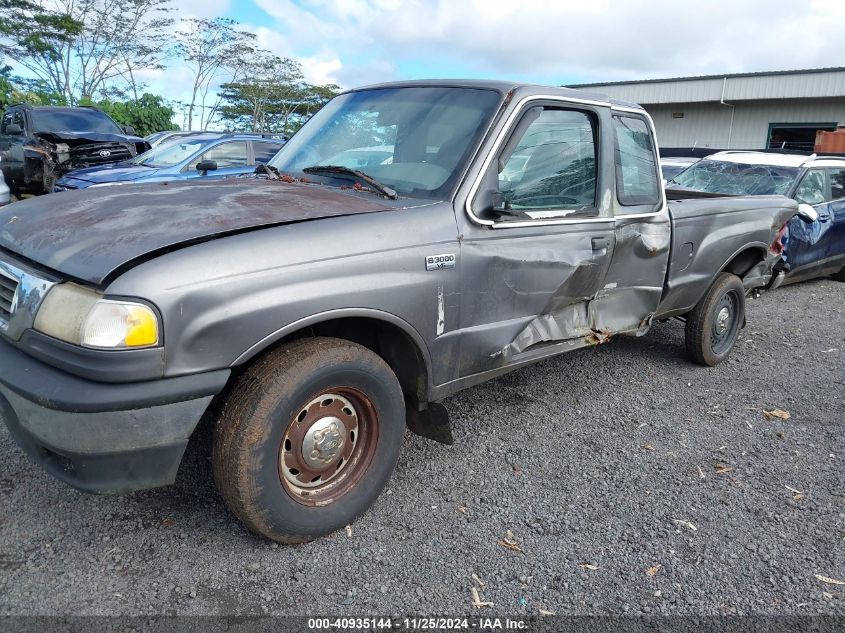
x=531, y=264
x=809, y=242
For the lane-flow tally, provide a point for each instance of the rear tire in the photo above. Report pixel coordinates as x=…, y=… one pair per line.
x=308, y=438
x=714, y=323
x=840, y=276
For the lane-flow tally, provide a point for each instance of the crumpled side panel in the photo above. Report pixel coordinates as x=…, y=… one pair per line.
x=625, y=304
x=522, y=286
x=807, y=232
x=569, y=322
x=552, y=274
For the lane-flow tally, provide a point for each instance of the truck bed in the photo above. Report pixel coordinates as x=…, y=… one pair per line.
x=711, y=232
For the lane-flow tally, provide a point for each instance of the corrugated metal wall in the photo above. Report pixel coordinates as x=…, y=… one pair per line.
x=709, y=124
x=806, y=85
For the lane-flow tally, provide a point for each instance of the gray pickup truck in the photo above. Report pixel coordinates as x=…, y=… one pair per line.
x=412, y=240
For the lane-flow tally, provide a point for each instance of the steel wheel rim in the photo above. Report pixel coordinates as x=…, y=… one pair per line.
x=328, y=446
x=725, y=322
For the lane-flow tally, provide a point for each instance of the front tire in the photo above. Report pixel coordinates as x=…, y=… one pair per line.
x=308, y=438
x=714, y=323
x=840, y=276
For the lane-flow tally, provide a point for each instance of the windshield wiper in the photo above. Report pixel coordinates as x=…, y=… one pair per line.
x=341, y=172
x=267, y=170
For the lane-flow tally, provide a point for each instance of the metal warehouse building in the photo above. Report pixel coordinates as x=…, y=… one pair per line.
x=768, y=110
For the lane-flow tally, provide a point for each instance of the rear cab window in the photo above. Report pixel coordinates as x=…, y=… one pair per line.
x=638, y=180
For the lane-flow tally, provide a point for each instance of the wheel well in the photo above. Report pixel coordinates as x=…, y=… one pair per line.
x=744, y=261
x=389, y=341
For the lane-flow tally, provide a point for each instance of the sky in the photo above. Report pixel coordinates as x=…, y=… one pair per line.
x=351, y=42
x=357, y=42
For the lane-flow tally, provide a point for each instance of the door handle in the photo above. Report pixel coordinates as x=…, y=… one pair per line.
x=599, y=243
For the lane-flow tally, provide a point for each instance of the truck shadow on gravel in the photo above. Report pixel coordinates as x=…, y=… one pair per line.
x=662, y=347
x=599, y=458
x=194, y=497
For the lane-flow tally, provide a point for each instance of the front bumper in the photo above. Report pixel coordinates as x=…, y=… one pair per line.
x=99, y=437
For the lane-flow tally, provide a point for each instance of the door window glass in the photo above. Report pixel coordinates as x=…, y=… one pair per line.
x=12, y=117
x=264, y=151
x=837, y=183
x=552, y=165
x=811, y=189
x=225, y=155
x=637, y=181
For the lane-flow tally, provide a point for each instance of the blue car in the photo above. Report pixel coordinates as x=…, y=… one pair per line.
x=814, y=242
x=196, y=156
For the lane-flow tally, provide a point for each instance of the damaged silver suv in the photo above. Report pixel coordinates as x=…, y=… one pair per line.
x=412, y=240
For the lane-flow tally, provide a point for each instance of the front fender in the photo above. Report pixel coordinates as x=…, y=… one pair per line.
x=225, y=300
x=333, y=315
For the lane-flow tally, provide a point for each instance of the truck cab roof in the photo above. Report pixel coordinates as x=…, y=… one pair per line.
x=51, y=108
x=504, y=87
x=776, y=159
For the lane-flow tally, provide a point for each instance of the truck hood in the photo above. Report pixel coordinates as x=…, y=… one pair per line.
x=92, y=234
x=61, y=136
x=113, y=172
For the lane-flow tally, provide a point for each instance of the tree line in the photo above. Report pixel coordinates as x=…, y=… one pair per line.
x=97, y=52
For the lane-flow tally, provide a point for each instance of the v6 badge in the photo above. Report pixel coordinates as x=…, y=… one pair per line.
x=439, y=262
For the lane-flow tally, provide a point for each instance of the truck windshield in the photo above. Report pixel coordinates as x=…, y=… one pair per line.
x=414, y=140
x=717, y=176
x=75, y=120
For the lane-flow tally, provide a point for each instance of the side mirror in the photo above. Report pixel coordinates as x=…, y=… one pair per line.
x=489, y=201
x=14, y=129
x=206, y=165
x=807, y=213
x=128, y=129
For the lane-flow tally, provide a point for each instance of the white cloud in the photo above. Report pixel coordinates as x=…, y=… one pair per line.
x=321, y=71
x=321, y=67
x=600, y=39
x=357, y=42
x=203, y=8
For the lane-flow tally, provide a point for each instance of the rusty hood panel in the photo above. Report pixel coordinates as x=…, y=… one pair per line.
x=92, y=233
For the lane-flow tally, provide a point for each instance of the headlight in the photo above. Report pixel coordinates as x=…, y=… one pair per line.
x=82, y=317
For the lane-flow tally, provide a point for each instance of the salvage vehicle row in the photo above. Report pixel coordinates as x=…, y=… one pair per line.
x=817, y=183
x=207, y=155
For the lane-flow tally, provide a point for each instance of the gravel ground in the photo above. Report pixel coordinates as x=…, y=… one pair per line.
x=632, y=481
